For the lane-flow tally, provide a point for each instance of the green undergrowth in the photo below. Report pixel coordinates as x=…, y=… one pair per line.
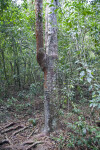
x=81, y=131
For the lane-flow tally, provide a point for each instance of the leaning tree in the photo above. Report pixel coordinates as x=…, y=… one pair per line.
x=47, y=58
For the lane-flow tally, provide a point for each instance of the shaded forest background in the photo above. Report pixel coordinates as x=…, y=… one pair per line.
x=78, y=77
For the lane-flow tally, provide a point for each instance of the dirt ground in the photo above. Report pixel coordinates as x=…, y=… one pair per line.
x=22, y=129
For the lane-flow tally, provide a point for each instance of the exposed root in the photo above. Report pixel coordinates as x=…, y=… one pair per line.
x=10, y=125
x=9, y=148
x=28, y=142
x=4, y=142
x=8, y=140
x=34, y=145
x=42, y=135
x=31, y=133
x=7, y=126
x=20, y=130
x=33, y=140
x=12, y=129
x=14, y=147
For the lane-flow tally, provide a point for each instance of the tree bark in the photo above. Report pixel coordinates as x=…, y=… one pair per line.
x=50, y=88
x=47, y=60
x=41, y=56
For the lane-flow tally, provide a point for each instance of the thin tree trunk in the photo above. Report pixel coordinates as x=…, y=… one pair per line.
x=16, y=64
x=11, y=66
x=24, y=60
x=18, y=74
x=14, y=56
x=50, y=87
x=4, y=66
x=47, y=60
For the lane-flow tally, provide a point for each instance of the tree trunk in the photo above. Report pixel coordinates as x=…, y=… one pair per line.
x=47, y=60
x=16, y=64
x=4, y=65
x=50, y=88
x=18, y=73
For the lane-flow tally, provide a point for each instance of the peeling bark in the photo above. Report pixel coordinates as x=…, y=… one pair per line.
x=41, y=56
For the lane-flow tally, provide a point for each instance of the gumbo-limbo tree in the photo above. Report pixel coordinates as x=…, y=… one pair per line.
x=47, y=58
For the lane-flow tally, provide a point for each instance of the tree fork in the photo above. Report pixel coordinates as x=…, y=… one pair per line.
x=47, y=60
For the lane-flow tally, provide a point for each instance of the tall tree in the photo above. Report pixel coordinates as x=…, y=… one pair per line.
x=47, y=58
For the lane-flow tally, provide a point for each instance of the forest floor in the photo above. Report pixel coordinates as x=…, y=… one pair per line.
x=21, y=126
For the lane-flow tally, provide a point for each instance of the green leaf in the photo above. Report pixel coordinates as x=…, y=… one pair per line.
x=32, y=121
x=98, y=135
x=89, y=79
x=79, y=142
x=82, y=73
x=84, y=131
x=92, y=55
x=51, y=5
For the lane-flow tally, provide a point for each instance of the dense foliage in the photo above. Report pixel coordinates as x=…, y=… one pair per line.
x=78, y=64
x=18, y=46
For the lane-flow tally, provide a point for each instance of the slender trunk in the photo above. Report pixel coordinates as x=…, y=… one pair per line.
x=14, y=74
x=29, y=75
x=50, y=88
x=11, y=66
x=14, y=56
x=4, y=66
x=24, y=72
x=16, y=64
x=47, y=60
x=18, y=74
